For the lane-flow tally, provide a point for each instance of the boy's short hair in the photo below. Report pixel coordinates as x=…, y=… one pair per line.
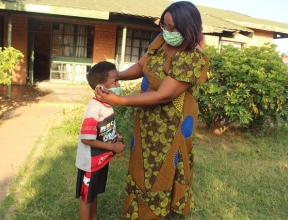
x=99, y=73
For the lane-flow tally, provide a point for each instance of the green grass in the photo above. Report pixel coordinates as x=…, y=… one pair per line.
x=241, y=177
x=237, y=176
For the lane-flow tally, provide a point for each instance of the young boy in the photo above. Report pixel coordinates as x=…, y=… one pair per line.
x=98, y=141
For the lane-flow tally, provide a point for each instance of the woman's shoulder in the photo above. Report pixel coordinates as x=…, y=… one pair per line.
x=156, y=44
x=190, y=53
x=191, y=62
x=189, y=57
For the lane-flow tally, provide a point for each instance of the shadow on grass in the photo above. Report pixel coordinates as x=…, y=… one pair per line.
x=45, y=188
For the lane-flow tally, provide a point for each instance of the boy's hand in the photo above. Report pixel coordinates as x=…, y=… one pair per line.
x=118, y=147
x=120, y=139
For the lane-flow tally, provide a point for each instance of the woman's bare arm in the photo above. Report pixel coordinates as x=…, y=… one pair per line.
x=169, y=89
x=135, y=71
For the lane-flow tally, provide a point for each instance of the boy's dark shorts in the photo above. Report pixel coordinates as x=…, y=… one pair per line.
x=90, y=184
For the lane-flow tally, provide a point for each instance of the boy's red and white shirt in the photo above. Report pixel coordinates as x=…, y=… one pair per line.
x=98, y=124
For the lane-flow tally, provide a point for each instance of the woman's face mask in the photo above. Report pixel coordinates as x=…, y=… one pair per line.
x=116, y=90
x=173, y=38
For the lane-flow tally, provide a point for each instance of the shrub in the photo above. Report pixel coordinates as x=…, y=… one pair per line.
x=245, y=86
x=125, y=114
x=9, y=58
x=72, y=120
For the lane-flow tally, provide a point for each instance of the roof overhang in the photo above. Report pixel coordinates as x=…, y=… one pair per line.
x=118, y=18
x=54, y=10
x=222, y=26
x=261, y=26
x=279, y=35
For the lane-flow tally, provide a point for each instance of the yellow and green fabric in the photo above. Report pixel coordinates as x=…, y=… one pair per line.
x=161, y=160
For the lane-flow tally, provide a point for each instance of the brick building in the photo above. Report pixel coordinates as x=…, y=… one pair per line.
x=60, y=40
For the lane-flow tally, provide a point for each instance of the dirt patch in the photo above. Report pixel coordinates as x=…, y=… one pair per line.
x=20, y=96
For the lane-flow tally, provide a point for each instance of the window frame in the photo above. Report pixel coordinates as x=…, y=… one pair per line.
x=235, y=44
x=58, y=72
x=130, y=45
x=72, y=58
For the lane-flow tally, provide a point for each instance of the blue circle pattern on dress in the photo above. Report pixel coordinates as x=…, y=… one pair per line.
x=176, y=158
x=145, y=83
x=132, y=143
x=187, y=126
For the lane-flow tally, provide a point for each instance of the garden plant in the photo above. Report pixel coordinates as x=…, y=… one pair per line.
x=247, y=87
x=9, y=58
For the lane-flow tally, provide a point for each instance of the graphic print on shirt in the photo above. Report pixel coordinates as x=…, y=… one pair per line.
x=107, y=130
x=108, y=134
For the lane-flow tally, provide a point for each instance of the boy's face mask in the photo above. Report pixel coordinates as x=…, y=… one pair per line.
x=116, y=90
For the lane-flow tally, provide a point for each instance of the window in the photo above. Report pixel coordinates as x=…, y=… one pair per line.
x=69, y=71
x=137, y=42
x=71, y=40
x=233, y=43
x=72, y=52
x=1, y=31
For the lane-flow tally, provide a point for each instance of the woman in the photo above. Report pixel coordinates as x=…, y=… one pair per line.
x=161, y=159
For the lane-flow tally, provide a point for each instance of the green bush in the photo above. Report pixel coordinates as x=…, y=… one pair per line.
x=9, y=57
x=125, y=114
x=73, y=119
x=245, y=86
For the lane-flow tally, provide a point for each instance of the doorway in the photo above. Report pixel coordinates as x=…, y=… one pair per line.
x=39, y=51
x=42, y=45
x=59, y=52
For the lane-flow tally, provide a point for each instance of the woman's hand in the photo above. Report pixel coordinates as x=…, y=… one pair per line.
x=105, y=95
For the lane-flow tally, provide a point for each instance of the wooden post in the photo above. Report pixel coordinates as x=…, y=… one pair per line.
x=124, y=34
x=9, y=45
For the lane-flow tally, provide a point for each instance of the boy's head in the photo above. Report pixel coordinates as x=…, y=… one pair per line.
x=103, y=73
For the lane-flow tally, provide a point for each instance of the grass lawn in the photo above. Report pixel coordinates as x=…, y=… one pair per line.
x=237, y=176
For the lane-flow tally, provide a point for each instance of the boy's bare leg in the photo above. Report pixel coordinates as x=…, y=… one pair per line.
x=84, y=210
x=93, y=209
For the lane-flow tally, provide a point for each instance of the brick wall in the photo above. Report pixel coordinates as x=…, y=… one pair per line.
x=19, y=42
x=104, y=42
x=260, y=37
x=212, y=40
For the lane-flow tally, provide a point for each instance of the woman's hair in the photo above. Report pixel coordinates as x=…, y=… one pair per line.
x=187, y=20
x=99, y=73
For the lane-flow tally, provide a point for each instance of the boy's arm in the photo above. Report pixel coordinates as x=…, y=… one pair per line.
x=116, y=147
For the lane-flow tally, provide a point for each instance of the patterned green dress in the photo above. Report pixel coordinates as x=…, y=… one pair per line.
x=161, y=160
